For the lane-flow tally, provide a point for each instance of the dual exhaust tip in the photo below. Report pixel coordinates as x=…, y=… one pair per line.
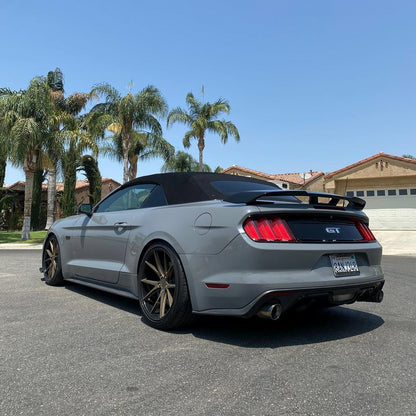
x=270, y=311
x=273, y=311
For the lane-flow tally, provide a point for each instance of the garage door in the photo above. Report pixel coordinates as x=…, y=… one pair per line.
x=389, y=209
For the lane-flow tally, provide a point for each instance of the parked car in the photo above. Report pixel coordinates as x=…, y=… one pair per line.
x=216, y=244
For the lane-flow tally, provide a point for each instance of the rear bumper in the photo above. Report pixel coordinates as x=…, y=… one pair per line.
x=302, y=298
x=250, y=270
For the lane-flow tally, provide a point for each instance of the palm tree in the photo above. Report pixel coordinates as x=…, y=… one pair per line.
x=182, y=162
x=126, y=115
x=202, y=118
x=144, y=146
x=4, y=146
x=62, y=121
x=78, y=140
x=26, y=115
x=90, y=167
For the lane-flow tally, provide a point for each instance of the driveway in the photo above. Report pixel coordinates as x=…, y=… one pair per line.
x=76, y=351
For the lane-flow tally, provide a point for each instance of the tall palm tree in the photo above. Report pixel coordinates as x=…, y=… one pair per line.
x=128, y=114
x=26, y=116
x=201, y=118
x=61, y=122
x=4, y=145
x=144, y=146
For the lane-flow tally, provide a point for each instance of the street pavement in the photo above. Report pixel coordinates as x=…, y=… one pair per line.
x=72, y=350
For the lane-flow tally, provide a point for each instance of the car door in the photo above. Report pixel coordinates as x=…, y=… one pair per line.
x=99, y=247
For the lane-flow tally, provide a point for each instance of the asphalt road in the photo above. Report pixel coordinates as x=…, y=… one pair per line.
x=76, y=351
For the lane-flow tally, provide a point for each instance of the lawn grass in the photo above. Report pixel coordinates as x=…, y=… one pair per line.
x=16, y=237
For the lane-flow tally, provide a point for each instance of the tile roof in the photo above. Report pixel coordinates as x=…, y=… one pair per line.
x=60, y=185
x=369, y=159
x=294, y=178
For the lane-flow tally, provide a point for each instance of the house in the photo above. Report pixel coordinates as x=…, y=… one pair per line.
x=388, y=185
x=386, y=182
x=312, y=179
x=81, y=192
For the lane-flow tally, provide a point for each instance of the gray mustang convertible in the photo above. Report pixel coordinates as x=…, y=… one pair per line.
x=205, y=243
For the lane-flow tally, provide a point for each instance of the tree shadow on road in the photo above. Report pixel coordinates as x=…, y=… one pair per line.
x=309, y=327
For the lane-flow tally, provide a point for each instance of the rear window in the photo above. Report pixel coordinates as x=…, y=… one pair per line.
x=228, y=188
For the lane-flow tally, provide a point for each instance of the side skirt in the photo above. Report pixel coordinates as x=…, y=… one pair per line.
x=106, y=287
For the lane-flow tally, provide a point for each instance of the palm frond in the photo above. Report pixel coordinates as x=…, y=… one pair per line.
x=107, y=91
x=187, y=138
x=178, y=115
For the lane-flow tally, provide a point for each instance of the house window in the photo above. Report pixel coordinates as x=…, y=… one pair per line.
x=381, y=192
x=391, y=192
x=370, y=193
x=350, y=193
x=360, y=193
x=413, y=191
x=402, y=191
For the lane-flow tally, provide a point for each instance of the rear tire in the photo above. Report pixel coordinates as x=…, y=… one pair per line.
x=163, y=290
x=51, y=262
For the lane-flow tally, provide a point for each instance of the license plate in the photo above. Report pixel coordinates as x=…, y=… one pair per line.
x=344, y=265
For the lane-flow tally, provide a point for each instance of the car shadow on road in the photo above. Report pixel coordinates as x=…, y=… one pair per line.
x=309, y=327
x=116, y=301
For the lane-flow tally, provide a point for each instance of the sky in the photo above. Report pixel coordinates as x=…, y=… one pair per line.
x=312, y=84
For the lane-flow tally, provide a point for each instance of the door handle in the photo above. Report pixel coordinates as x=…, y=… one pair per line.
x=120, y=224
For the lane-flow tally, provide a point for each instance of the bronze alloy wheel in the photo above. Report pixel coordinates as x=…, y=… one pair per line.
x=52, y=262
x=163, y=290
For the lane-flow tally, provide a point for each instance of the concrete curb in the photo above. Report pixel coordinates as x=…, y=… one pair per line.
x=20, y=246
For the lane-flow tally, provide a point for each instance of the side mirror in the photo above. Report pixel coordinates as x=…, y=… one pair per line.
x=84, y=209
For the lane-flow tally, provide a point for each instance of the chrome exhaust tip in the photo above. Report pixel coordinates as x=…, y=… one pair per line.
x=270, y=311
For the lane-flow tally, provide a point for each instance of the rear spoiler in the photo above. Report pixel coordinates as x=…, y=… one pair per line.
x=251, y=197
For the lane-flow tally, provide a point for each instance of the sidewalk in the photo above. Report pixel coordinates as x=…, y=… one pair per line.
x=395, y=243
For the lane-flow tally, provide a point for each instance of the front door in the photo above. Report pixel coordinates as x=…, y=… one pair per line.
x=99, y=248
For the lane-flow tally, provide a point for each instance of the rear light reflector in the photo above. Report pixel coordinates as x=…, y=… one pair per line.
x=217, y=285
x=365, y=232
x=268, y=229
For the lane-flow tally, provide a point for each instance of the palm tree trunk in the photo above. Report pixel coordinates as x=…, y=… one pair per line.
x=51, y=198
x=201, y=146
x=133, y=168
x=2, y=170
x=28, y=204
x=126, y=142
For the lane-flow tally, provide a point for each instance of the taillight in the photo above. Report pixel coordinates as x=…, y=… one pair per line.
x=268, y=229
x=365, y=231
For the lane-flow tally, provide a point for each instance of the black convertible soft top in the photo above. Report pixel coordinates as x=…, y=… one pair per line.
x=186, y=187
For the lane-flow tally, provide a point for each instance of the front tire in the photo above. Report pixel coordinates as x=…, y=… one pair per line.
x=51, y=262
x=163, y=291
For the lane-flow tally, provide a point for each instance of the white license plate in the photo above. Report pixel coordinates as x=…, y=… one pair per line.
x=344, y=265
